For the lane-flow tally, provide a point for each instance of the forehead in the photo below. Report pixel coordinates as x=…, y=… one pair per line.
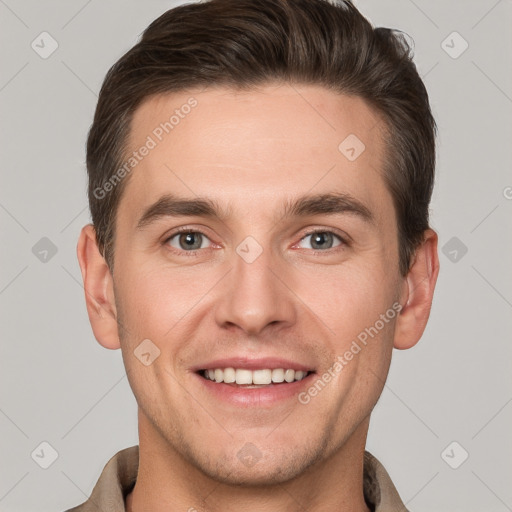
x=251, y=148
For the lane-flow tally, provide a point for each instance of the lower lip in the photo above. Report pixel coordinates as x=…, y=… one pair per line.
x=261, y=396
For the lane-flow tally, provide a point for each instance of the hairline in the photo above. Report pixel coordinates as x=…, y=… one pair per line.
x=386, y=136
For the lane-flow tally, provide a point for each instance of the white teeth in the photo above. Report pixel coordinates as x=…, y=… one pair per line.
x=243, y=376
x=299, y=375
x=229, y=375
x=256, y=377
x=289, y=375
x=278, y=375
x=219, y=375
x=262, y=376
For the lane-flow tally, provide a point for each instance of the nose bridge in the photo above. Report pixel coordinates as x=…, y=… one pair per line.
x=253, y=296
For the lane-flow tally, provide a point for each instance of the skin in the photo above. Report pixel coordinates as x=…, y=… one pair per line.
x=252, y=151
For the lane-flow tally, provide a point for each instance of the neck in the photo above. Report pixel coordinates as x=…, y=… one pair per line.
x=167, y=481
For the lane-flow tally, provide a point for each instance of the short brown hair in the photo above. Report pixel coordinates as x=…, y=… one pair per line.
x=246, y=43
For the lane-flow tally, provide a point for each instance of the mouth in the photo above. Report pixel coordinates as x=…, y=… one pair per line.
x=265, y=382
x=258, y=378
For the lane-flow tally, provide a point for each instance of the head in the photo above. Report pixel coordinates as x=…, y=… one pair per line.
x=294, y=143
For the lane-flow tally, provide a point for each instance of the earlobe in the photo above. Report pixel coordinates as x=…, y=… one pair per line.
x=417, y=293
x=99, y=289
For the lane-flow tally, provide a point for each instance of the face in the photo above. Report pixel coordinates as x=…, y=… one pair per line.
x=248, y=244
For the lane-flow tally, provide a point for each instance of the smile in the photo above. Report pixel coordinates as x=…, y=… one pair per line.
x=241, y=376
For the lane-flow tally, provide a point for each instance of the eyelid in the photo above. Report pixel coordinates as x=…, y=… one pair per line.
x=183, y=230
x=344, y=238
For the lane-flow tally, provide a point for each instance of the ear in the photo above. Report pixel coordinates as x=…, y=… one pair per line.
x=417, y=293
x=99, y=289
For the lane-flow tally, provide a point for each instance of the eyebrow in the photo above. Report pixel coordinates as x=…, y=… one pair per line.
x=170, y=205
x=328, y=204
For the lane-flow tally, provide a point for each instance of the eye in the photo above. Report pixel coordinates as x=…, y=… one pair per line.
x=321, y=240
x=189, y=241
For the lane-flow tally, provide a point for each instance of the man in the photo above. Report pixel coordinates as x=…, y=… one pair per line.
x=259, y=180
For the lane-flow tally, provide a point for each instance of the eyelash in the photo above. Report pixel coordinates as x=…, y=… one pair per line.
x=181, y=231
x=194, y=253
x=343, y=241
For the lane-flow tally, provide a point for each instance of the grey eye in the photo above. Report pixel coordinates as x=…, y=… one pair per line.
x=189, y=241
x=321, y=240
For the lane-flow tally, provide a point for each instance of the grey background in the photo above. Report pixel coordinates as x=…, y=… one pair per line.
x=58, y=385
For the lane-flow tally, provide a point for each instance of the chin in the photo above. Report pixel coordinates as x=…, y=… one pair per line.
x=250, y=468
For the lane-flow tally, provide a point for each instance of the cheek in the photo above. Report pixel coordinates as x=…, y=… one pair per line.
x=155, y=301
x=150, y=307
x=348, y=299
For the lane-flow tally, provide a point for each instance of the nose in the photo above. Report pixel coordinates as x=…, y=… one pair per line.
x=255, y=296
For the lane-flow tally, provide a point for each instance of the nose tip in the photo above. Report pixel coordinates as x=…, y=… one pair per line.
x=253, y=298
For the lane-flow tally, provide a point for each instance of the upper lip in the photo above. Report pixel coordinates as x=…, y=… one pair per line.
x=253, y=364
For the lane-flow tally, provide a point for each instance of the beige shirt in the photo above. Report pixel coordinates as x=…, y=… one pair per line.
x=120, y=473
